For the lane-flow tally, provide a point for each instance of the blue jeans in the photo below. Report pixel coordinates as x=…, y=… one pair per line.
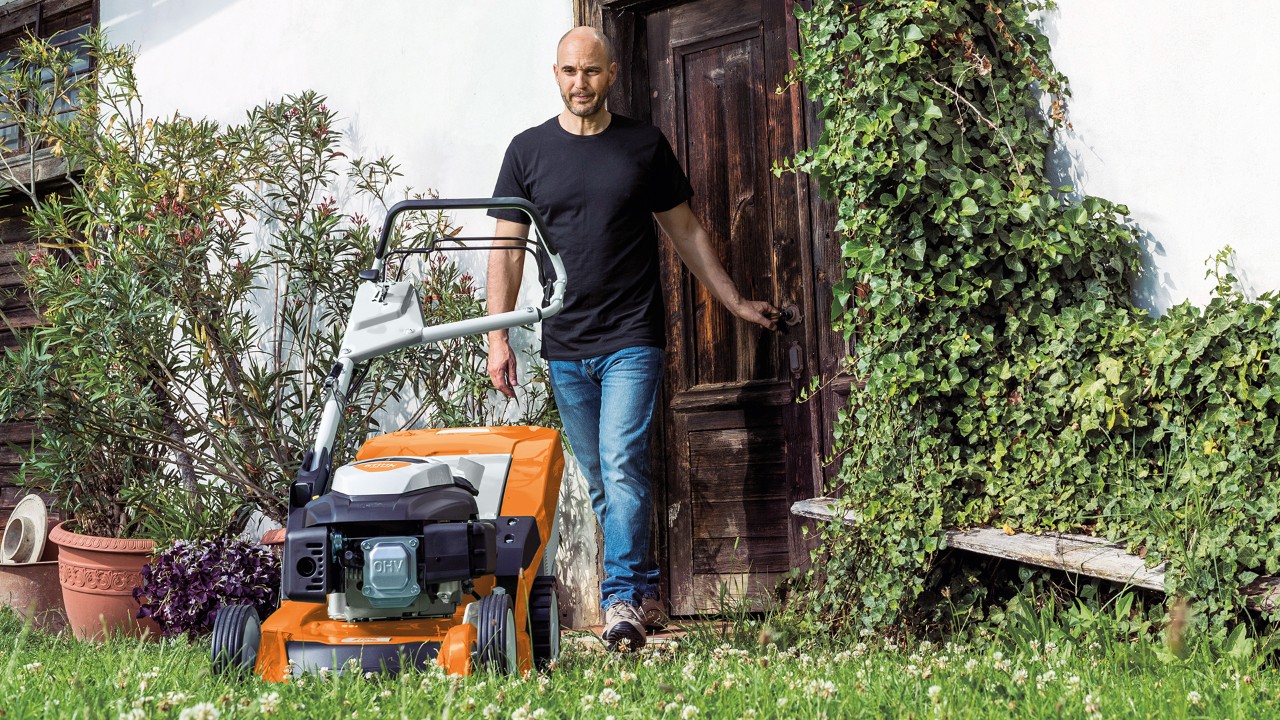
x=606, y=404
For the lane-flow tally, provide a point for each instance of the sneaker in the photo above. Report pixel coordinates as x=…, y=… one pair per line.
x=655, y=615
x=623, y=627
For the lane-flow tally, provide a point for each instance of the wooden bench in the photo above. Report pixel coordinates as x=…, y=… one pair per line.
x=1081, y=554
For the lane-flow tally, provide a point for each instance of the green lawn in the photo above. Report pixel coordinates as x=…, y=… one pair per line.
x=705, y=675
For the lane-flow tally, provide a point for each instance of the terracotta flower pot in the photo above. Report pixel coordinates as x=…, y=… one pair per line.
x=98, y=576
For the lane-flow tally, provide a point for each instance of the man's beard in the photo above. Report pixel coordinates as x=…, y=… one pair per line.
x=582, y=110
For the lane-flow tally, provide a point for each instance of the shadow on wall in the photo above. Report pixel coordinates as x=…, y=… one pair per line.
x=135, y=18
x=578, y=555
x=1151, y=290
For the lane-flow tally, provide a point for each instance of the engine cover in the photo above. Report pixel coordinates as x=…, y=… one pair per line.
x=390, y=571
x=394, y=476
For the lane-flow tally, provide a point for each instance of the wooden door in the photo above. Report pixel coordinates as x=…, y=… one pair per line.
x=737, y=447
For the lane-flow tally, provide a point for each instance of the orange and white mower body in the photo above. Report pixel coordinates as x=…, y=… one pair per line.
x=428, y=547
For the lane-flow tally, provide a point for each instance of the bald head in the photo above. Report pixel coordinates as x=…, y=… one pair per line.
x=585, y=34
x=584, y=71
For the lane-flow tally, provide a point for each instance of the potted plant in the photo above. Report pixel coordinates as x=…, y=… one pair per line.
x=100, y=375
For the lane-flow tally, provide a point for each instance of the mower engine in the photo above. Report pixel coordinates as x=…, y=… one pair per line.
x=404, y=537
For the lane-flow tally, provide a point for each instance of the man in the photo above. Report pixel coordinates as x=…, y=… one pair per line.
x=599, y=180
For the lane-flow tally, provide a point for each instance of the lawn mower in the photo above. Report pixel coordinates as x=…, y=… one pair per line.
x=427, y=547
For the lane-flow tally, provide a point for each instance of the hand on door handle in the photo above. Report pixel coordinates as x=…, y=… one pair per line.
x=789, y=315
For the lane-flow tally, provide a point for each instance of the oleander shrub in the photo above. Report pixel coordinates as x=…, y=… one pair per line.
x=193, y=285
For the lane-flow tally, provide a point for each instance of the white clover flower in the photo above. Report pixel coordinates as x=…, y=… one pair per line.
x=997, y=656
x=490, y=710
x=1193, y=697
x=268, y=703
x=782, y=701
x=1050, y=647
x=588, y=701
x=200, y=711
x=538, y=714
x=935, y=693
x=521, y=713
x=134, y=714
x=626, y=677
x=970, y=665
x=1020, y=676
x=670, y=707
x=1073, y=682
x=926, y=646
x=33, y=668
x=821, y=688
x=689, y=712
x=609, y=696
x=1091, y=704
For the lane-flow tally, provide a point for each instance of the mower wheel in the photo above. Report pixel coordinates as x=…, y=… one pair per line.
x=544, y=621
x=237, y=633
x=495, y=624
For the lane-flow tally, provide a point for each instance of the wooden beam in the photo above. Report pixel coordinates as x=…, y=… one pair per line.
x=1081, y=554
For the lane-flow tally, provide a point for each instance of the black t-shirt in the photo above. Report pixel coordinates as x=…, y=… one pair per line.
x=597, y=194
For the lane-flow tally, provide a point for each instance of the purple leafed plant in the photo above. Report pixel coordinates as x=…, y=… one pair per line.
x=185, y=585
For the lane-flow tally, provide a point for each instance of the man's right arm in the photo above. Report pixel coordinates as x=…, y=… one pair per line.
x=506, y=268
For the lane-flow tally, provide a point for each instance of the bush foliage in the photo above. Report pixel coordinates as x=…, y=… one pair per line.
x=193, y=284
x=1007, y=378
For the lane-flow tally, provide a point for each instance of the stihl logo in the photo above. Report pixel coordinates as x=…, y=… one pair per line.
x=382, y=465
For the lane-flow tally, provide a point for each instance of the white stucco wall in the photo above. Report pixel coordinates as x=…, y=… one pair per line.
x=441, y=86
x=1174, y=111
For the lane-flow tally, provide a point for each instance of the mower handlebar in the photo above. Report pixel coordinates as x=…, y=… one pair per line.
x=503, y=203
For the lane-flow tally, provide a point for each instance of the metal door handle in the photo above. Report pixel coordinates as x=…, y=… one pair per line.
x=790, y=315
